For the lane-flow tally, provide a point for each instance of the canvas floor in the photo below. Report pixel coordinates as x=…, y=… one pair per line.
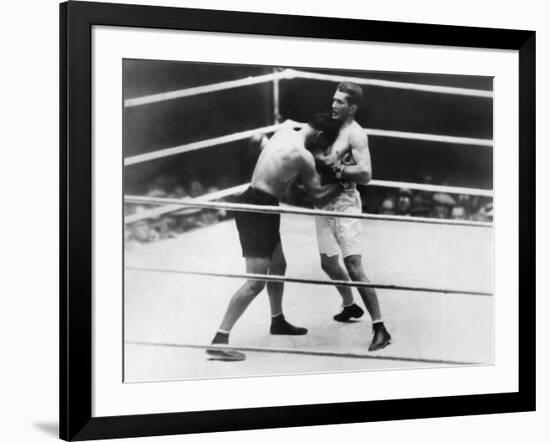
x=167, y=314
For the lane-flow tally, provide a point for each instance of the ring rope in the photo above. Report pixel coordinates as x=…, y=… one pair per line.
x=430, y=137
x=158, y=211
x=296, y=351
x=289, y=74
x=418, y=136
x=432, y=188
x=214, y=87
x=394, y=84
x=297, y=211
x=196, y=145
x=276, y=278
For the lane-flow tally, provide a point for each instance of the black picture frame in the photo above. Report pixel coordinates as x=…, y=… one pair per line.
x=76, y=21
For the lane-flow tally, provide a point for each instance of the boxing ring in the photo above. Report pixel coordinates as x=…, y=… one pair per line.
x=434, y=277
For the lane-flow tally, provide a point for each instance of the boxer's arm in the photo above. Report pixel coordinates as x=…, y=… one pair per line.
x=312, y=182
x=361, y=171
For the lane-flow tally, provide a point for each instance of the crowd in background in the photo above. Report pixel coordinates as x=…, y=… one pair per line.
x=152, y=228
x=380, y=200
x=405, y=202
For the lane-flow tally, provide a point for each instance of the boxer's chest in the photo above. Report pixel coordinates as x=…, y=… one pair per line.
x=342, y=150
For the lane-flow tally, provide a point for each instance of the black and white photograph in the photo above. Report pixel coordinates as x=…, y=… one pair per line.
x=274, y=221
x=242, y=221
x=291, y=220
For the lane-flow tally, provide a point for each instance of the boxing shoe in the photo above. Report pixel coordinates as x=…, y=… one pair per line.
x=225, y=355
x=348, y=312
x=280, y=326
x=381, y=337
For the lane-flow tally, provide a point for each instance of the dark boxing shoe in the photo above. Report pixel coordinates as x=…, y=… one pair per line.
x=348, y=312
x=280, y=326
x=381, y=337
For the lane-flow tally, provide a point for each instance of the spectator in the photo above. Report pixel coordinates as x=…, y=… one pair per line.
x=196, y=189
x=442, y=205
x=179, y=192
x=158, y=187
x=421, y=204
x=464, y=201
x=387, y=207
x=208, y=218
x=458, y=212
x=141, y=232
x=166, y=226
x=404, y=202
x=475, y=204
x=190, y=218
x=485, y=212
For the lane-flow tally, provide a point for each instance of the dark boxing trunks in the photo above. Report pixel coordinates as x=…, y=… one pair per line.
x=258, y=232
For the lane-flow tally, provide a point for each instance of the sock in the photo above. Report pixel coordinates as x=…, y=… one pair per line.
x=222, y=337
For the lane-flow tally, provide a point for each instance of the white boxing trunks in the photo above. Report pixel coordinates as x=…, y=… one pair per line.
x=335, y=235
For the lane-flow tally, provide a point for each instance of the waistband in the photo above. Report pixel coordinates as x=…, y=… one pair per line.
x=347, y=196
x=262, y=196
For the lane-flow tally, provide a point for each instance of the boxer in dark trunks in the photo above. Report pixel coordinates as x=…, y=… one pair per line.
x=285, y=159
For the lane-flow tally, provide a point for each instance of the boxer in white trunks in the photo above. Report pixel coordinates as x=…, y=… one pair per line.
x=348, y=159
